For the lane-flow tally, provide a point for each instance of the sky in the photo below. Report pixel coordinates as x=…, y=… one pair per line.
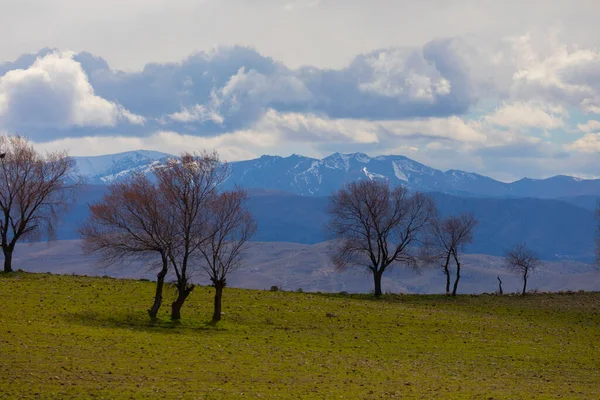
x=506, y=89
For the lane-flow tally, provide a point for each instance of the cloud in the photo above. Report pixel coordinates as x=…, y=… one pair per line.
x=394, y=73
x=523, y=115
x=196, y=113
x=590, y=126
x=230, y=88
x=561, y=75
x=589, y=143
x=298, y=127
x=54, y=92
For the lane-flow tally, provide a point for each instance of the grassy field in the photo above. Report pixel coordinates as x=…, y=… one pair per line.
x=81, y=337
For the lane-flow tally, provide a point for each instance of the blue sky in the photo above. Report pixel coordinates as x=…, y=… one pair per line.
x=506, y=89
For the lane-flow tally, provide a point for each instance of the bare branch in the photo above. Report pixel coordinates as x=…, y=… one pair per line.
x=521, y=260
x=230, y=226
x=448, y=237
x=377, y=227
x=33, y=192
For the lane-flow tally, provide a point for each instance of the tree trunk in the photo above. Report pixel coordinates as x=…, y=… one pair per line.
x=8, y=253
x=218, y=296
x=178, y=303
x=377, y=279
x=457, y=278
x=447, y=272
x=500, y=285
x=160, y=282
x=524, y=284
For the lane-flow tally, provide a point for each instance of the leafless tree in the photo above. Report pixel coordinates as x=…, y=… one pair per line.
x=377, y=226
x=33, y=192
x=450, y=235
x=132, y=221
x=230, y=227
x=521, y=260
x=167, y=215
x=189, y=185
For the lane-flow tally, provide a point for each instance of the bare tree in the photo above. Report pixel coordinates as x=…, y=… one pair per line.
x=189, y=185
x=132, y=221
x=450, y=235
x=377, y=226
x=521, y=260
x=230, y=227
x=33, y=192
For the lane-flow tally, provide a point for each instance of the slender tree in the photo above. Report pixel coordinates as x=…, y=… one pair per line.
x=189, y=185
x=450, y=235
x=33, y=192
x=376, y=226
x=132, y=221
x=521, y=260
x=230, y=227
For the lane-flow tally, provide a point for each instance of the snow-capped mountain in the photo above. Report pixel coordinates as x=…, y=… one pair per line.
x=109, y=168
x=314, y=177
x=320, y=177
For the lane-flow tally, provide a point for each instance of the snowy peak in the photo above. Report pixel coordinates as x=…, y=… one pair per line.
x=108, y=168
x=321, y=177
x=310, y=177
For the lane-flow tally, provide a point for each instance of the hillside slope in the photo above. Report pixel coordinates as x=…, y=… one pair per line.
x=292, y=266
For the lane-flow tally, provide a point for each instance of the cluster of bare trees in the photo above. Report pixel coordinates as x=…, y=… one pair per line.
x=377, y=227
x=179, y=218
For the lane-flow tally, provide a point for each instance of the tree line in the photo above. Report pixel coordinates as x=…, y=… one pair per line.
x=178, y=220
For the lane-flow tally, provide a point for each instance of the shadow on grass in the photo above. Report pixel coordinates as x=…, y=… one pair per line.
x=141, y=322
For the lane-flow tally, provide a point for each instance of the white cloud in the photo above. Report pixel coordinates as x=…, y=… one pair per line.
x=590, y=126
x=398, y=72
x=313, y=128
x=196, y=113
x=252, y=86
x=524, y=115
x=590, y=106
x=589, y=143
x=55, y=92
x=552, y=75
x=451, y=128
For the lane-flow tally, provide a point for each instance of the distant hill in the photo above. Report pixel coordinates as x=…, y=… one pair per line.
x=555, y=229
x=588, y=202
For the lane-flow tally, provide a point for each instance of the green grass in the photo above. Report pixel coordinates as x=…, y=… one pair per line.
x=82, y=337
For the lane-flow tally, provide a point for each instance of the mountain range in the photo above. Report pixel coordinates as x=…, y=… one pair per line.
x=307, y=176
x=288, y=198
